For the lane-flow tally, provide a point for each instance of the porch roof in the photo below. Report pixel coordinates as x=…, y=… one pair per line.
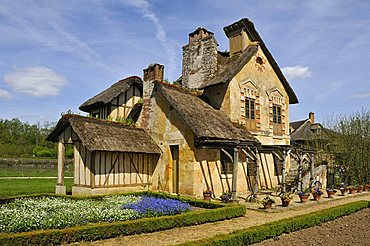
x=102, y=135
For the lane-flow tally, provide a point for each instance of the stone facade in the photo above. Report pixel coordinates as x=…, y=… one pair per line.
x=199, y=58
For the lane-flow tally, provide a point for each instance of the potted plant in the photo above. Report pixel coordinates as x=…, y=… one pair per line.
x=351, y=189
x=316, y=192
x=285, y=199
x=303, y=195
x=366, y=187
x=207, y=195
x=225, y=197
x=359, y=188
x=331, y=192
x=267, y=202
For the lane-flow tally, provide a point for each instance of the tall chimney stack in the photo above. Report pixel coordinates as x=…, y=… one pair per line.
x=154, y=72
x=311, y=116
x=199, y=58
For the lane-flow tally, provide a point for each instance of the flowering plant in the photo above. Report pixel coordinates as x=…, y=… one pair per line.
x=153, y=206
x=331, y=190
x=306, y=192
x=226, y=197
x=316, y=191
x=286, y=197
x=342, y=188
x=267, y=200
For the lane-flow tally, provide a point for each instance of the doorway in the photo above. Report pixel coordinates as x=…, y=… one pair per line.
x=175, y=168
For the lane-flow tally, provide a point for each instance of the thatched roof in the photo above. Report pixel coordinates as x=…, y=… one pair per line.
x=101, y=135
x=296, y=124
x=228, y=67
x=207, y=123
x=232, y=68
x=308, y=131
x=112, y=92
x=303, y=132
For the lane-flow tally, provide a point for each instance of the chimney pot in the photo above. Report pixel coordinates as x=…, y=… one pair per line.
x=153, y=72
x=311, y=116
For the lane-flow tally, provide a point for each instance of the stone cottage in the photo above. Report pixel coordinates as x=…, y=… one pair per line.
x=224, y=127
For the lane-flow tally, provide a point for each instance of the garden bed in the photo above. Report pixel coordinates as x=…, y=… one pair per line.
x=89, y=217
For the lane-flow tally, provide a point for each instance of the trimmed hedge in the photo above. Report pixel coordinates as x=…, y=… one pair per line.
x=273, y=229
x=98, y=231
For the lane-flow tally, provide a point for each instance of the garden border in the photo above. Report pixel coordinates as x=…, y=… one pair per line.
x=98, y=231
x=259, y=233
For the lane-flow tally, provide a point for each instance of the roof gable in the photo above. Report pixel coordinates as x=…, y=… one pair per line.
x=234, y=66
x=112, y=92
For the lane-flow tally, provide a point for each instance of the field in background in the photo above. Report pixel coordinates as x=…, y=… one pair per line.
x=21, y=185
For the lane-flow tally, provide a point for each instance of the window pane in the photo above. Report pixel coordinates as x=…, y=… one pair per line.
x=274, y=114
x=247, y=115
x=252, y=109
x=279, y=115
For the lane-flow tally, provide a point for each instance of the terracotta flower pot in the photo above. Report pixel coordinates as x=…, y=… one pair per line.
x=331, y=193
x=267, y=205
x=304, y=198
x=207, y=195
x=352, y=191
x=366, y=188
x=316, y=197
x=285, y=203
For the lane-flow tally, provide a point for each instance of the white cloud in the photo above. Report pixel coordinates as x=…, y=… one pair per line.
x=143, y=7
x=296, y=72
x=35, y=81
x=4, y=94
x=364, y=95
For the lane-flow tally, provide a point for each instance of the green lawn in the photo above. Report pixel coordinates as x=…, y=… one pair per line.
x=13, y=187
x=32, y=172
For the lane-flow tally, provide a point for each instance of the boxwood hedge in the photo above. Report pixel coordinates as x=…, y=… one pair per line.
x=262, y=232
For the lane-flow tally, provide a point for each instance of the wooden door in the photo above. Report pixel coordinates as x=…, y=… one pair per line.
x=175, y=168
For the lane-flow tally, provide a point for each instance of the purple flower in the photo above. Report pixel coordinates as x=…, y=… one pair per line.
x=152, y=206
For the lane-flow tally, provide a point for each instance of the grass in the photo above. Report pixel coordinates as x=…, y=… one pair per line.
x=14, y=187
x=20, y=171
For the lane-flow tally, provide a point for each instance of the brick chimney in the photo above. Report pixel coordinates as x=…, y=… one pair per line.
x=311, y=116
x=199, y=58
x=154, y=72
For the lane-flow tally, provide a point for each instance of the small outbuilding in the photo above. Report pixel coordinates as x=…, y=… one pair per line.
x=107, y=155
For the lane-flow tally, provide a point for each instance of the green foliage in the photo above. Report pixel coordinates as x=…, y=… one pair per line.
x=349, y=145
x=100, y=231
x=273, y=229
x=122, y=120
x=19, y=139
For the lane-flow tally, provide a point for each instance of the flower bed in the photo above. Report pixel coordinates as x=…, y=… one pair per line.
x=98, y=231
x=38, y=213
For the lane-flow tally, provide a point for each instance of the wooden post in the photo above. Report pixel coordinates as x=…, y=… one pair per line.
x=255, y=190
x=235, y=173
x=300, y=170
x=312, y=167
x=60, y=188
x=283, y=171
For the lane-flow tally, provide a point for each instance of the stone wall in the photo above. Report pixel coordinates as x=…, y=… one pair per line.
x=199, y=62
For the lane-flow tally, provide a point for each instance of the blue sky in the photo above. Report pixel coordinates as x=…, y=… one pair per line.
x=57, y=54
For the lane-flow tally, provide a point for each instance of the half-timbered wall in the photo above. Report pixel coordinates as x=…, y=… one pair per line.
x=122, y=169
x=119, y=107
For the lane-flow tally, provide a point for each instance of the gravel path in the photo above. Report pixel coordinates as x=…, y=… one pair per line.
x=253, y=217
